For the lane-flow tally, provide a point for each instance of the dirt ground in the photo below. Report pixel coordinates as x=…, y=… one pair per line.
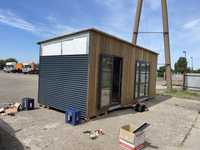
x=175, y=123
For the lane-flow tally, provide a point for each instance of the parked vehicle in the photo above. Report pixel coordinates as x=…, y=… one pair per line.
x=29, y=68
x=10, y=67
x=18, y=67
x=1, y=67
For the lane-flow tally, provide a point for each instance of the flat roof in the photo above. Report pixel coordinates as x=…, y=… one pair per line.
x=95, y=30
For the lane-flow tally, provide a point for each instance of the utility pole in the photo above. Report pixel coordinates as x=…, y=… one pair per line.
x=192, y=67
x=166, y=44
x=185, y=54
x=165, y=36
x=137, y=21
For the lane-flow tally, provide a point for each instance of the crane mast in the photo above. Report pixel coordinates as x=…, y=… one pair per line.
x=165, y=33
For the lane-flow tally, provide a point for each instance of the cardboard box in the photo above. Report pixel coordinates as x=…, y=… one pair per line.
x=125, y=145
x=131, y=140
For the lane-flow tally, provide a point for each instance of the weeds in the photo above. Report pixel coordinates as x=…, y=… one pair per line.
x=182, y=94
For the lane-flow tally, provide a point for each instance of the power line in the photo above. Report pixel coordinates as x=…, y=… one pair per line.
x=149, y=32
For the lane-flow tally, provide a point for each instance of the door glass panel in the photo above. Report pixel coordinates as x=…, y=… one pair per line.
x=106, y=81
x=116, y=81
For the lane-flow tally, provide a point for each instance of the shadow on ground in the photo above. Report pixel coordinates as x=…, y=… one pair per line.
x=149, y=145
x=125, y=111
x=157, y=100
x=8, y=141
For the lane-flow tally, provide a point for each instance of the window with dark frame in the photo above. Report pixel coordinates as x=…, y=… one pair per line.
x=142, y=79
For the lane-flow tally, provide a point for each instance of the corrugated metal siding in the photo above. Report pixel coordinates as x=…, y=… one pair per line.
x=192, y=81
x=63, y=82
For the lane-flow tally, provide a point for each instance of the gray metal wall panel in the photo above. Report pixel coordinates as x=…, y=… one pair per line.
x=192, y=81
x=63, y=82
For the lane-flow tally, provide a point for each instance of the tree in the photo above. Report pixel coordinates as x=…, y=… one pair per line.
x=2, y=63
x=11, y=60
x=181, y=65
x=161, y=71
x=195, y=71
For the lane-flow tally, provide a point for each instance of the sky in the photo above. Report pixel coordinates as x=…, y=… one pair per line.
x=25, y=22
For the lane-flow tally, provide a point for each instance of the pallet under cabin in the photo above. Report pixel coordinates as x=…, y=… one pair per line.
x=93, y=71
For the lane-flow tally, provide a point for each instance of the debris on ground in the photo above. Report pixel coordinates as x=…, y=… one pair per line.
x=94, y=134
x=18, y=106
x=2, y=110
x=10, y=109
x=140, y=107
x=87, y=132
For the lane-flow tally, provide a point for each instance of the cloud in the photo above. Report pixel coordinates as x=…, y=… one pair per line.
x=117, y=17
x=154, y=4
x=192, y=24
x=9, y=18
x=187, y=31
x=51, y=27
x=120, y=18
x=57, y=27
x=192, y=30
x=113, y=4
x=121, y=13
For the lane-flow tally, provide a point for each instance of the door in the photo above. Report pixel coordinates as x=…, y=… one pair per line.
x=117, y=81
x=106, y=68
x=110, y=81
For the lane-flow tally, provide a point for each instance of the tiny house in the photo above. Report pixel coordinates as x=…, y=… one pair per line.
x=93, y=71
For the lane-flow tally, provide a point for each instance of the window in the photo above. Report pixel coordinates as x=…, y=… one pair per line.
x=142, y=79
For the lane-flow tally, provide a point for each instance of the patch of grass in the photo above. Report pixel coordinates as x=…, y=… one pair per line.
x=182, y=94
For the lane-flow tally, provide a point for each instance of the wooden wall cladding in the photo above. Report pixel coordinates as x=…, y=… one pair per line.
x=101, y=43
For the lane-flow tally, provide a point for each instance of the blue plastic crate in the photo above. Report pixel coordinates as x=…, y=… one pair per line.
x=27, y=103
x=73, y=116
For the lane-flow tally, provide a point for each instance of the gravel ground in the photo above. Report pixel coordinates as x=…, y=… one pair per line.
x=175, y=123
x=13, y=87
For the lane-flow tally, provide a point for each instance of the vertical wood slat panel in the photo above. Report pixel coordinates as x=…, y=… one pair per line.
x=101, y=43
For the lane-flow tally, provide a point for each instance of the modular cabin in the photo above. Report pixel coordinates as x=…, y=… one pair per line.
x=93, y=71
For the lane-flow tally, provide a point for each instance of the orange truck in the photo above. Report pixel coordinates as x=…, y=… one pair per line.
x=18, y=67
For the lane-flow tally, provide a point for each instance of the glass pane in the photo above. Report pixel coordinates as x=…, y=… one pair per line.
x=136, y=90
x=142, y=78
x=148, y=68
x=137, y=77
x=147, y=77
x=142, y=90
x=146, y=90
x=143, y=68
x=106, y=73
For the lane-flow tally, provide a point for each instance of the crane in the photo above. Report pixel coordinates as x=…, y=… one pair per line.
x=165, y=36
